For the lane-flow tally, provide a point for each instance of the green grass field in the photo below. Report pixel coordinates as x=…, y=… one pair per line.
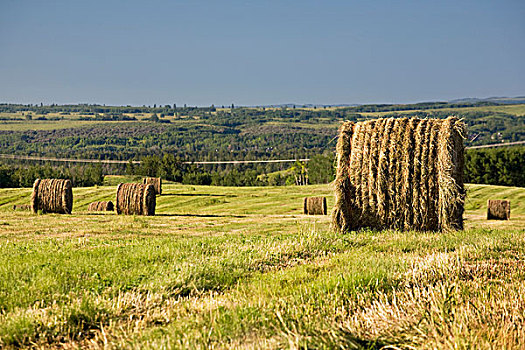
x=224, y=267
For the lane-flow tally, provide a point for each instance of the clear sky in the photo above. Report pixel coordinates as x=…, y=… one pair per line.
x=259, y=52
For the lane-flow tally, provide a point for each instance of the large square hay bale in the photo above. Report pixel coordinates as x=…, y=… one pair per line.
x=400, y=173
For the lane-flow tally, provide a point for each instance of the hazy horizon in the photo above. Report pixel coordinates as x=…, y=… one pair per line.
x=254, y=53
x=298, y=105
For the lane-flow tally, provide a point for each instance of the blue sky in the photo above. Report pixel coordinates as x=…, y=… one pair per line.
x=259, y=52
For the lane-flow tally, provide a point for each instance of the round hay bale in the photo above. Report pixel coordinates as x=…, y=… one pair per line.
x=314, y=205
x=22, y=207
x=400, y=173
x=135, y=199
x=101, y=206
x=155, y=181
x=52, y=196
x=498, y=209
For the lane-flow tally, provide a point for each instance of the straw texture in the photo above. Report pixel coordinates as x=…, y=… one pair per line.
x=498, y=209
x=402, y=173
x=155, y=181
x=52, y=196
x=315, y=205
x=101, y=206
x=135, y=199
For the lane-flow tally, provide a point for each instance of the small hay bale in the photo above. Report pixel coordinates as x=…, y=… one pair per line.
x=135, y=199
x=498, y=209
x=22, y=207
x=155, y=181
x=314, y=205
x=400, y=173
x=101, y=206
x=52, y=196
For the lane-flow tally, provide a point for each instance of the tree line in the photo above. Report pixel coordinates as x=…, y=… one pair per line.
x=88, y=109
x=498, y=166
x=25, y=175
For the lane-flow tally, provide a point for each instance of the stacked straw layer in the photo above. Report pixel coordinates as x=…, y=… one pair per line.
x=101, y=206
x=135, y=199
x=52, y=196
x=400, y=173
x=315, y=205
x=156, y=182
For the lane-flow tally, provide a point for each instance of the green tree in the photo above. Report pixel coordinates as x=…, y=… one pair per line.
x=149, y=166
x=321, y=169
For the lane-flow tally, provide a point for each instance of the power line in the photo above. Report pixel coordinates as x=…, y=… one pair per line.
x=110, y=161
x=498, y=145
x=251, y=161
x=69, y=160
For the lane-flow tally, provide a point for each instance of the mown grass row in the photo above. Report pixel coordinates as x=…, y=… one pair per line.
x=266, y=279
x=202, y=200
x=190, y=199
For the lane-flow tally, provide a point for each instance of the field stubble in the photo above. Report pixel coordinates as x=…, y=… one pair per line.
x=243, y=268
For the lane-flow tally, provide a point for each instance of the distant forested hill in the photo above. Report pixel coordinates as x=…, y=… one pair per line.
x=198, y=134
x=162, y=137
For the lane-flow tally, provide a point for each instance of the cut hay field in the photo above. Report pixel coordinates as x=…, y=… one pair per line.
x=225, y=267
x=23, y=125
